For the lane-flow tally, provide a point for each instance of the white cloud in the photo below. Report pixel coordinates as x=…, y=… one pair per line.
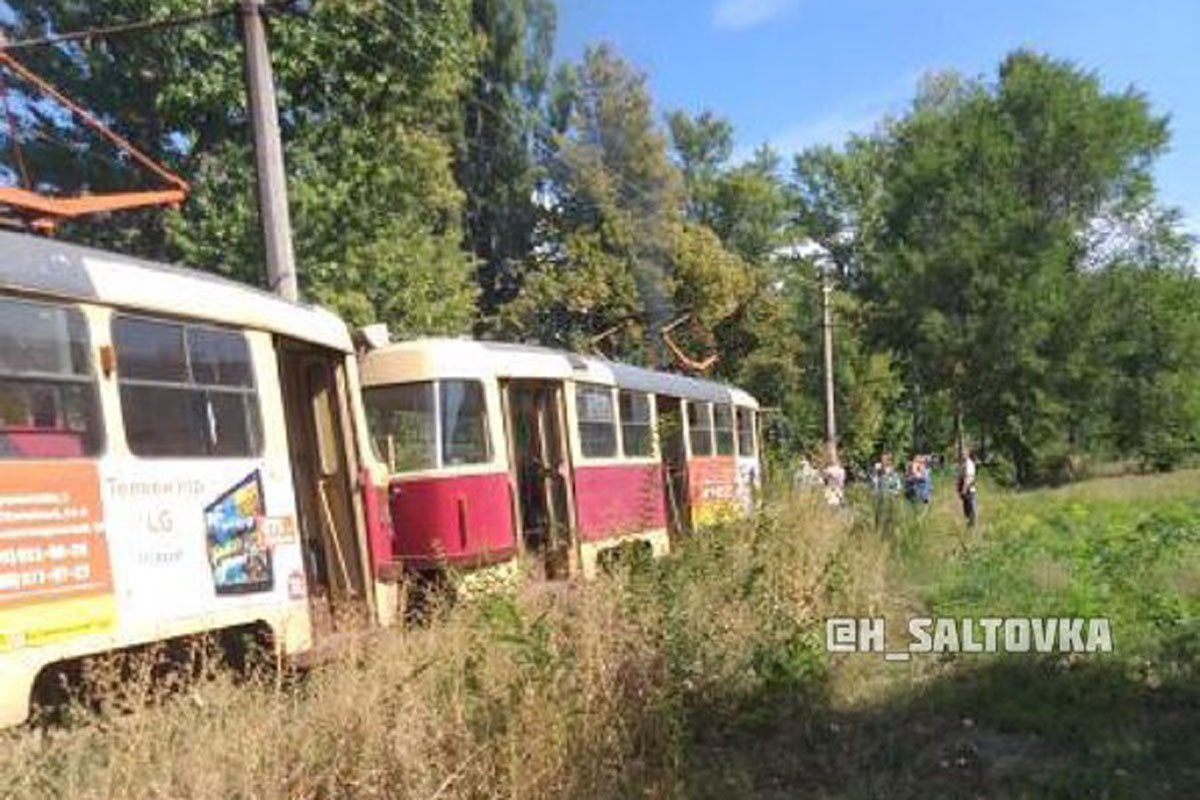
x=834, y=126
x=1191, y=220
x=738, y=15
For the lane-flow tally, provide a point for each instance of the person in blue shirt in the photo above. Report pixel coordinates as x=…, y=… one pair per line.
x=925, y=489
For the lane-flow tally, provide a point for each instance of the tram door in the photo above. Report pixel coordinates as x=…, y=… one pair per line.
x=320, y=445
x=541, y=472
x=674, y=456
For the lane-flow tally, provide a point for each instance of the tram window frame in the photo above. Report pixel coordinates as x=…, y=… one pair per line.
x=209, y=398
x=483, y=453
x=694, y=429
x=723, y=430
x=428, y=421
x=745, y=432
x=74, y=374
x=634, y=429
x=607, y=427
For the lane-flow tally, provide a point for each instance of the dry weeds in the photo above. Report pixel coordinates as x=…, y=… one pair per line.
x=591, y=691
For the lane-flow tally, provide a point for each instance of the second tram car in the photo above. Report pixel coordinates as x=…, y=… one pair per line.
x=488, y=450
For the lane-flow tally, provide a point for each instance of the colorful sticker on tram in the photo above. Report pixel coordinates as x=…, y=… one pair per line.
x=55, y=578
x=238, y=550
x=713, y=483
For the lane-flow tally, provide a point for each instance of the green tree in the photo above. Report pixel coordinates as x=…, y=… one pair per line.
x=988, y=192
x=504, y=126
x=1147, y=331
x=702, y=145
x=615, y=256
x=369, y=100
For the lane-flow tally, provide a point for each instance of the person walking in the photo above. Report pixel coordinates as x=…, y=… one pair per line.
x=887, y=487
x=835, y=481
x=914, y=479
x=966, y=486
x=926, y=488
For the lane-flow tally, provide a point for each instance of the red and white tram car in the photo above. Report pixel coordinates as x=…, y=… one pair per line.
x=178, y=456
x=488, y=450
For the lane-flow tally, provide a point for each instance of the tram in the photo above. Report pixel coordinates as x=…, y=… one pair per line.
x=485, y=451
x=181, y=454
x=178, y=455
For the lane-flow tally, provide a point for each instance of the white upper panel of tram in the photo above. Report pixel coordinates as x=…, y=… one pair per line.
x=425, y=359
x=35, y=265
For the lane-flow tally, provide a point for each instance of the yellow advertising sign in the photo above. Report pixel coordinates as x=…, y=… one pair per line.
x=55, y=578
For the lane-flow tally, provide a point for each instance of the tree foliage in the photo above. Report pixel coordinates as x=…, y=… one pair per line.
x=504, y=129
x=369, y=100
x=1003, y=268
x=983, y=228
x=617, y=257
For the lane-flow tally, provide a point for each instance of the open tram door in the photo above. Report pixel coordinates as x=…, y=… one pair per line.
x=674, y=463
x=540, y=473
x=321, y=444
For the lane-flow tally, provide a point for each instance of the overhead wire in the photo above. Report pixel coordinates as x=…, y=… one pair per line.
x=641, y=193
x=526, y=124
x=86, y=35
x=14, y=136
x=104, y=31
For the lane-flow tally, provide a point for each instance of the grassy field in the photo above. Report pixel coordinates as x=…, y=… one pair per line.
x=705, y=675
x=1119, y=725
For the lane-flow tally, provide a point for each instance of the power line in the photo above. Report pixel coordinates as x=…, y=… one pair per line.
x=103, y=31
x=638, y=193
x=513, y=118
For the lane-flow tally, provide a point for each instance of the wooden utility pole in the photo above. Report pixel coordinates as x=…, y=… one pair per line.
x=268, y=155
x=827, y=325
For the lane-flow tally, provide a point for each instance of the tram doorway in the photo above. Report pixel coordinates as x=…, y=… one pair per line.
x=320, y=443
x=540, y=471
x=674, y=463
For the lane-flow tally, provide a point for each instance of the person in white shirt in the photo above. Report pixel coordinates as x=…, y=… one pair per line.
x=966, y=486
x=835, y=480
x=805, y=476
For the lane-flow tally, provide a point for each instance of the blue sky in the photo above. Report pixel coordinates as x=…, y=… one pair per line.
x=799, y=72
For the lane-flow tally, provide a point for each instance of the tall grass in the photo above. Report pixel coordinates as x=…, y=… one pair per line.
x=562, y=691
x=704, y=675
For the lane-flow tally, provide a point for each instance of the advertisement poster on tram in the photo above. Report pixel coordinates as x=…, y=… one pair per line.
x=55, y=578
x=713, y=485
x=238, y=550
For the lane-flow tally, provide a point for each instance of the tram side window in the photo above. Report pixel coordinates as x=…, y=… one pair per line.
x=48, y=400
x=186, y=390
x=745, y=432
x=700, y=428
x=723, y=425
x=597, y=421
x=464, y=423
x=635, y=423
x=403, y=423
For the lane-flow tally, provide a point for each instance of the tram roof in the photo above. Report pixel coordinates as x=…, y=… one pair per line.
x=423, y=359
x=35, y=265
x=647, y=380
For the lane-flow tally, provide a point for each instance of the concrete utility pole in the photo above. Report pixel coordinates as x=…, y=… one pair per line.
x=268, y=156
x=827, y=325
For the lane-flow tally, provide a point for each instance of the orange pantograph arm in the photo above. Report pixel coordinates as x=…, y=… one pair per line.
x=690, y=363
x=50, y=208
x=67, y=207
